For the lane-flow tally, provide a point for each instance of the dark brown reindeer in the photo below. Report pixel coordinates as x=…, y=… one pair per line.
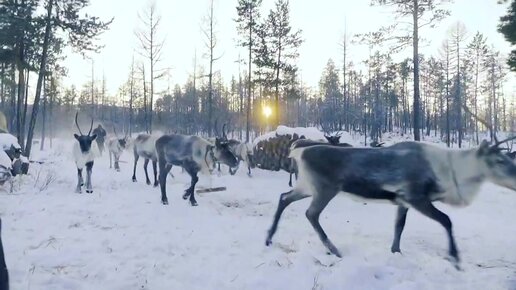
x=408, y=174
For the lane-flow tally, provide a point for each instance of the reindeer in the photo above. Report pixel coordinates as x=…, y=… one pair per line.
x=408, y=174
x=145, y=146
x=84, y=153
x=243, y=152
x=194, y=154
x=116, y=147
x=4, y=275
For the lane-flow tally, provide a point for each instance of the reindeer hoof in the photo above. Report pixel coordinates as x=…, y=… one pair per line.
x=134, y=179
x=186, y=195
x=90, y=191
x=78, y=191
x=193, y=203
x=148, y=182
x=395, y=250
x=268, y=242
x=117, y=170
x=156, y=184
x=164, y=201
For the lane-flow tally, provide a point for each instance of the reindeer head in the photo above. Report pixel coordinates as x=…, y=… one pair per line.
x=84, y=140
x=223, y=153
x=497, y=166
x=123, y=142
x=333, y=139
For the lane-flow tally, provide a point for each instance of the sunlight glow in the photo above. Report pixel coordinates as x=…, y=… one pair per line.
x=267, y=111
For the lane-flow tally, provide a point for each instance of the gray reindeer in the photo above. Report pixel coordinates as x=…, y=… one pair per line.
x=408, y=174
x=194, y=154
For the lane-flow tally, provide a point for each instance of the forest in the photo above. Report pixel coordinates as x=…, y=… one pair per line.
x=393, y=90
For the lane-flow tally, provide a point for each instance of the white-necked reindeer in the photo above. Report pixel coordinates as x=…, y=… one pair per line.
x=85, y=151
x=116, y=147
x=145, y=146
x=194, y=154
x=409, y=174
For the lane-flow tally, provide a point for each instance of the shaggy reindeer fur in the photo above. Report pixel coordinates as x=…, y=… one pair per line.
x=408, y=174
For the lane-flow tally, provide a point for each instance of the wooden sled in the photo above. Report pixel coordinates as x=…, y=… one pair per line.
x=212, y=189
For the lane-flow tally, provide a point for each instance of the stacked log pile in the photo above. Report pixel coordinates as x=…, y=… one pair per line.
x=272, y=154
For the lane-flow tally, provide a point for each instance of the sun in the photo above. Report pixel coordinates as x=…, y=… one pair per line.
x=267, y=111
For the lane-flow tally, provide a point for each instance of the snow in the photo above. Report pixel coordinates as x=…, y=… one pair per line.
x=6, y=140
x=121, y=237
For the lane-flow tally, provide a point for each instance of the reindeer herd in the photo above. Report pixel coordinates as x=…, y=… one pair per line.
x=407, y=174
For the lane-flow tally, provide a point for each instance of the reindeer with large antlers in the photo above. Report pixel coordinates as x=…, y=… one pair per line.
x=84, y=152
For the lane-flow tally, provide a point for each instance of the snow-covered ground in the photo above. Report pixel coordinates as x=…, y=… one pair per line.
x=121, y=237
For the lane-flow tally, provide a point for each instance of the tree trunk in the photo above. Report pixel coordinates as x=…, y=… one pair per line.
x=249, y=89
x=44, y=115
x=42, y=67
x=415, y=37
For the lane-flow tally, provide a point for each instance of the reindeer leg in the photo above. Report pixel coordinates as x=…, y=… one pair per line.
x=319, y=202
x=110, y=160
x=117, y=159
x=89, y=167
x=426, y=207
x=155, y=169
x=191, y=190
x=145, y=164
x=79, y=181
x=136, y=157
x=163, y=171
x=401, y=217
x=290, y=180
x=285, y=199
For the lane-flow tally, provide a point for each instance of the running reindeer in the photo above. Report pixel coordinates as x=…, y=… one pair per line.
x=84, y=152
x=145, y=146
x=408, y=174
x=194, y=154
x=116, y=147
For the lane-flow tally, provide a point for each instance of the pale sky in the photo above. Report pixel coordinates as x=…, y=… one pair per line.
x=323, y=23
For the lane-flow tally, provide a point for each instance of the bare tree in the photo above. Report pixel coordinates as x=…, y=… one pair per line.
x=151, y=47
x=417, y=10
x=210, y=43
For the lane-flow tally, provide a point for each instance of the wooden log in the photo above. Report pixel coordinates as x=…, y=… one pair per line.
x=213, y=189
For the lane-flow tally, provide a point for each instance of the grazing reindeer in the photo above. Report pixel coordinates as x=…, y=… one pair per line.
x=84, y=153
x=4, y=275
x=145, y=146
x=116, y=147
x=243, y=152
x=194, y=154
x=409, y=174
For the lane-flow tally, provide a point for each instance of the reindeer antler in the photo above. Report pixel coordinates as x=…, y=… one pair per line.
x=224, y=135
x=76, y=123
x=114, y=129
x=498, y=143
x=485, y=123
x=91, y=126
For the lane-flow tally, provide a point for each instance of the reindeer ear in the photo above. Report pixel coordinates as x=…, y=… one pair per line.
x=93, y=137
x=76, y=136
